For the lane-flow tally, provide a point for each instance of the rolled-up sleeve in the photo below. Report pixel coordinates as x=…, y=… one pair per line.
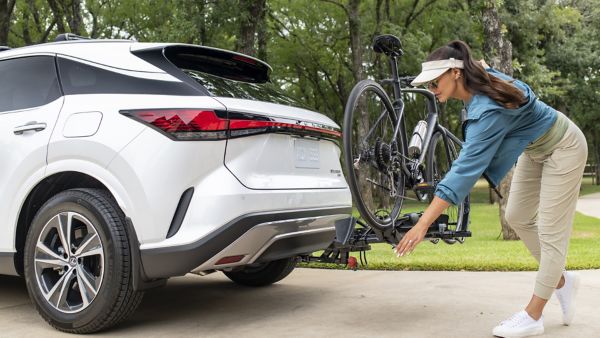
x=483, y=138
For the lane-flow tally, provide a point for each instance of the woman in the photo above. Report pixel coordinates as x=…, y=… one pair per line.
x=506, y=123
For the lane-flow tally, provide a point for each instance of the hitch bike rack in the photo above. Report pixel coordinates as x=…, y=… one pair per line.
x=350, y=238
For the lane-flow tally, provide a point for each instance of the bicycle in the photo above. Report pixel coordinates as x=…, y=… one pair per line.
x=381, y=165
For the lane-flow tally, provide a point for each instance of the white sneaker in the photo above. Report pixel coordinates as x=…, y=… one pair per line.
x=519, y=325
x=566, y=296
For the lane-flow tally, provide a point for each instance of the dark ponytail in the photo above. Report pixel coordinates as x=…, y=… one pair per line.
x=476, y=79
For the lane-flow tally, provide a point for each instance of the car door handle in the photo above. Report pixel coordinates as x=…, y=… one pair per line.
x=30, y=126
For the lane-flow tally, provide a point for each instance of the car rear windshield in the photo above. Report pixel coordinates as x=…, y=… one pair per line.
x=227, y=74
x=218, y=86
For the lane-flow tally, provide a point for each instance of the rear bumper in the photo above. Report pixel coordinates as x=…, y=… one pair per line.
x=257, y=237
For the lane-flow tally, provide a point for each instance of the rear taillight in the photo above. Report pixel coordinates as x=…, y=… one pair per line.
x=184, y=124
x=197, y=124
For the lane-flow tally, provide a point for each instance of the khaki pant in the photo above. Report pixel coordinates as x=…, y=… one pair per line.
x=541, y=204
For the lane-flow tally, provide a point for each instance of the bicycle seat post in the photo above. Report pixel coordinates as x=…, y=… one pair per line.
x=396, y=82
x=395, y=78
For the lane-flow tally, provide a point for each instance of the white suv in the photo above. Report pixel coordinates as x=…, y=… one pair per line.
x=123, y=164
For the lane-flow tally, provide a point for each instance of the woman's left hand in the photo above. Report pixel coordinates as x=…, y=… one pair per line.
x=411, y=239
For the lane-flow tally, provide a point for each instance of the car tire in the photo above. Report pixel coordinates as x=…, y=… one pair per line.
x=264, y=273
x=99, y=259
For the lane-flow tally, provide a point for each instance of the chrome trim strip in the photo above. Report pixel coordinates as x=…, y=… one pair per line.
x=259, y=238
x=278, y=237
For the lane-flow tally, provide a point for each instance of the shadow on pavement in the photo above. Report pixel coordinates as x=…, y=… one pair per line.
x=205, y=304
x=13, y=287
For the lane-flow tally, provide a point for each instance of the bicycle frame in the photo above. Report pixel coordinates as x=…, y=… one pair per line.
x=432, y=119
x=432, y=124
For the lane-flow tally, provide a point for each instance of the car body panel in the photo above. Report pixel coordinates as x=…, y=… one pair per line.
x=24, y=162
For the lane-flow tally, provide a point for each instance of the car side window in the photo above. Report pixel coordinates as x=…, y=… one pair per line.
x=80, y=78
x=28, y=82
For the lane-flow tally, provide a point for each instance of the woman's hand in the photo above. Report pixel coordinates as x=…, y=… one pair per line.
x=415, y=235
x=411, y=239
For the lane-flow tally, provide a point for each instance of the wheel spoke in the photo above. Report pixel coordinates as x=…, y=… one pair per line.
x=64, y=290
x=64, y=231
x=87, y=285
x=49, y=263
x=48, y=295
x=377, y=184
x=383, y=114
x=42, y=248
x=92, y=252
x=90, y=246
x=58, y=294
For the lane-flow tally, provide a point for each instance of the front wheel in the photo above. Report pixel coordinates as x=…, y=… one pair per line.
x=373, y=155
x=78, y=263
x=442, y=152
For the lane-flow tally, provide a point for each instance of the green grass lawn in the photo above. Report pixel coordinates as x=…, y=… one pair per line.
x=587, y=187
x=486, y=251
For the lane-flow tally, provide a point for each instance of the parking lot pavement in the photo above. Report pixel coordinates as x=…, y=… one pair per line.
x=327, y=303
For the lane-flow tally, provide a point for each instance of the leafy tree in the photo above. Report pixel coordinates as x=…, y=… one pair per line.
x=320, y=49
x=6, y=11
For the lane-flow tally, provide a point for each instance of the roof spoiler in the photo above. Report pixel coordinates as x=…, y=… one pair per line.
x=219, y=62
x=214, y=61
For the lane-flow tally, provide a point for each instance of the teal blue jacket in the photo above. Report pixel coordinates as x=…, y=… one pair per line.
x=495, y=137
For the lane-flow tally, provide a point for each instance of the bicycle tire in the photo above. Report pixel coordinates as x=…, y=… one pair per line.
x=434, y=173
x=370, y=156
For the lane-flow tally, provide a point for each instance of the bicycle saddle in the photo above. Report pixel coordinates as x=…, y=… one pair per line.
x=388, y=44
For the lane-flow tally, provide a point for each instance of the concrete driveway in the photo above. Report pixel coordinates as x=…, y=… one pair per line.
x=589, y=205
x=332, y=303
x=327, y=303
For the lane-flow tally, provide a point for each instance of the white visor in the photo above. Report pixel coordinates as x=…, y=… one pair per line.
x=431, y=70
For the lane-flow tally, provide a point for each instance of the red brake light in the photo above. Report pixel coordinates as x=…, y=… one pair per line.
x=198, y=124
x=184, y=124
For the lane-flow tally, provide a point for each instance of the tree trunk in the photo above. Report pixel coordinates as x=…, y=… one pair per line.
x=74, y=17
x=379, y=63
x=355, y=46
x=262, y=34
x=26, y=32
x=6, y=10
x=497, y=50
x=201, y=21
x=498, y=53
x=58, y=15
x=357, y=72
x=250, y=13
